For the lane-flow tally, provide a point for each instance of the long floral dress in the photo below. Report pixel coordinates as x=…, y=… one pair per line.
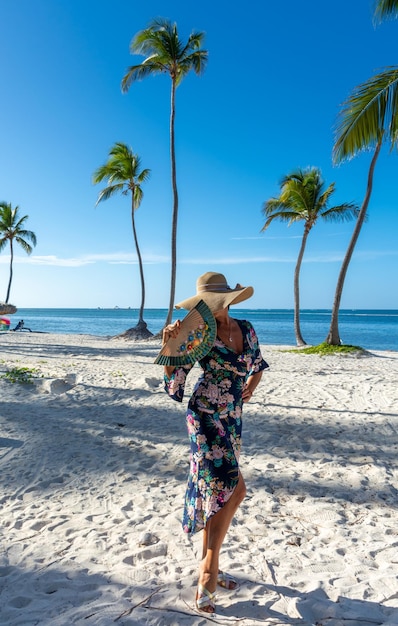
x=214, y=424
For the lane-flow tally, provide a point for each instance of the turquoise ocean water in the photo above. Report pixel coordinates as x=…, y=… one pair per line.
x=371, y=329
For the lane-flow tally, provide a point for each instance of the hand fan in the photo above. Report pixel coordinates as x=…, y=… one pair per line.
x=196, y=337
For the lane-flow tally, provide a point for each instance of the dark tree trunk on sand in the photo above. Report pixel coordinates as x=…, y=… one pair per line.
x=175, y=207
x=297, y=330
x=141, y=322
x=11, y=262
x=140, y=331
x=333, y=337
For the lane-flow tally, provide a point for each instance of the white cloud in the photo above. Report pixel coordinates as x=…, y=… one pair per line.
x=263, y=237
x=124, y=258
x=119, y=258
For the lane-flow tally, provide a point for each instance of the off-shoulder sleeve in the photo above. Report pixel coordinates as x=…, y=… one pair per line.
x=175, y=385
x=256, y=363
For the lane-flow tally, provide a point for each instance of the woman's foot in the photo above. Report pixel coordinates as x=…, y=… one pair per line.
x=205, y=601
x=227, y=581
x=206, y=593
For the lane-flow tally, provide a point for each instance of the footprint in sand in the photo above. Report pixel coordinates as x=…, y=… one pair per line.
x=57, y=386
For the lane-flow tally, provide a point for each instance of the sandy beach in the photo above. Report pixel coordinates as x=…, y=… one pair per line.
x=93, y=466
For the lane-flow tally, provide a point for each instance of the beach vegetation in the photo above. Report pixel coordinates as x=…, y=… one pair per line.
x=12, y=229
x=24, y=375
x=368, y=118
x=304, y=197
x=167, y=53
x=325, y=349
x=124, y=175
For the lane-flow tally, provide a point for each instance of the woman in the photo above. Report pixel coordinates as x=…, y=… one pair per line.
x=231, y=372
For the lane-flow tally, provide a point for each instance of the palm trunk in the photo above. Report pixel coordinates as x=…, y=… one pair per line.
x=175, y=207
x=11, y=261
x=141, y=322
x=299, y=339
x=333, y=337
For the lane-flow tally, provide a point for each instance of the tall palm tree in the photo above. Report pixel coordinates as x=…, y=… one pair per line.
x=166, y=53
x=12, y=228
x=368, y=118
x=304, y=198
x=123, y=175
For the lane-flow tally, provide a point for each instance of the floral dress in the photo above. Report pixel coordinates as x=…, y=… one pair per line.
x=214, y=424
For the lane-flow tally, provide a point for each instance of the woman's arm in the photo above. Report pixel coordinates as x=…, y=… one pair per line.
x=250, y=386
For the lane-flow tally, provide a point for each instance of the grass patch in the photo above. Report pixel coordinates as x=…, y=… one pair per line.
x=24, y=375
x=323, y=349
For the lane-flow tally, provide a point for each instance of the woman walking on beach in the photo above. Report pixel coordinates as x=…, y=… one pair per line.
x=232, y=370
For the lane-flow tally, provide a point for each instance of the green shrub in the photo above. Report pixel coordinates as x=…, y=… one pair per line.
x=23, y=375
x=323, y=349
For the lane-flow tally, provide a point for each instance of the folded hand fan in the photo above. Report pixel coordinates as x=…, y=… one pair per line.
x=196, y=337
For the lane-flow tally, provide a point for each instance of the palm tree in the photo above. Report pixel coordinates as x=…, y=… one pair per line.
x=122, y=171
x=166, y=53
x=304, y=198
x=368, y=118
x=12, y=228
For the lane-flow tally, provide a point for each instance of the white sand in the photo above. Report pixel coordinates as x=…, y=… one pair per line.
x=93, y=464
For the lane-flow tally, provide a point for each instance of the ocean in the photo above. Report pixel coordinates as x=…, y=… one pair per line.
x=370, y=329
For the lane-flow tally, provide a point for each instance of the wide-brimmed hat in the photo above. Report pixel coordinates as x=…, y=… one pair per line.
x=213, y=288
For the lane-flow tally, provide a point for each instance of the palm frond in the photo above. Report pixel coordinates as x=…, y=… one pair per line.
x=24, y=244
x=385, y=9
x=100, y=174
x=138, y=195
x=146, y=41
x=26, y=234
x=283, y=215
x=149, y=67
x=143, y=176
x=196, y=60
x=108, y=192
x=341, y=213
x=369, y=115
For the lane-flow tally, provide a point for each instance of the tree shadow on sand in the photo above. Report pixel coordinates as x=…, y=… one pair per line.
x=69, y=593
x=138, y=438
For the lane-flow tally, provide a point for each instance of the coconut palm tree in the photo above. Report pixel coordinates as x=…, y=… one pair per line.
x=123, y=175
x=166, y=53
x=304, y=198
x=368, y=118
x=12, y=228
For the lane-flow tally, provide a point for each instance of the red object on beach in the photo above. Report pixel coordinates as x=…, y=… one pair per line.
x=4, y=323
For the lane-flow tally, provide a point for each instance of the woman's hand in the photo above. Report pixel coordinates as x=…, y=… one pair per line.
x=247, y=394
x=251, y=384
x=171, y=330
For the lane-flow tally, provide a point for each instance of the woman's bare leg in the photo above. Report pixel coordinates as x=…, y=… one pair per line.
x=214, y=535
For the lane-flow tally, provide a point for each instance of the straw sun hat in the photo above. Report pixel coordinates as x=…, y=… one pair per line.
x=215, y=291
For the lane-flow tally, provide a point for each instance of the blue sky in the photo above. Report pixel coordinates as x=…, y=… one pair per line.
x=267, y=104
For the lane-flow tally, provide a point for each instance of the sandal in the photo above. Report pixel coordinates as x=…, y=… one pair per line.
x=227, y=581
x=205, y=600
